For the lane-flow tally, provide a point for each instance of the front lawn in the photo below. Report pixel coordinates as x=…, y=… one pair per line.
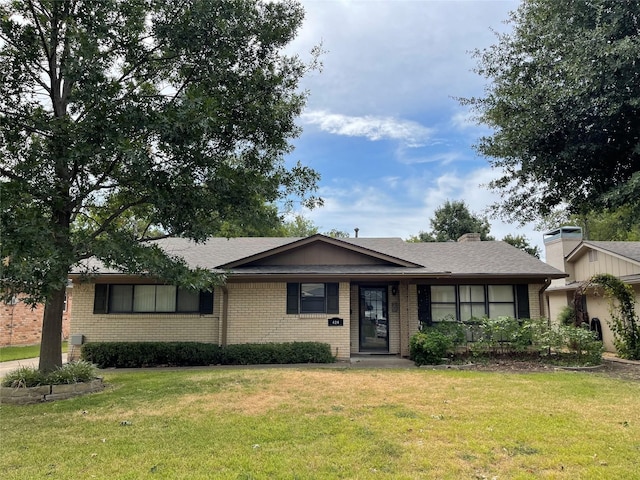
x=8, y=354
x=266, y=423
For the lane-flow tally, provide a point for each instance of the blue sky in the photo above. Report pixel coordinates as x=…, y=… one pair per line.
x=382, y=125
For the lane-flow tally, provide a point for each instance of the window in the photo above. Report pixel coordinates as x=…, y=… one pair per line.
x=472, y=302
x=150, y=299
x=465, y=302
x=312, y=298
x=501, y=301
x=443, y=303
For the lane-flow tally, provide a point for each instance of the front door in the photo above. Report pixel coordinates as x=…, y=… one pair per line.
x=374, y=320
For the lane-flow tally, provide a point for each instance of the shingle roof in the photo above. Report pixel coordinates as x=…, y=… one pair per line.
x=465, y=258
x=431, y=258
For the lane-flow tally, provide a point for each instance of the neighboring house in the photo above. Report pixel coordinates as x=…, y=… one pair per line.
x=360, y=295
x=22, y=325
x=581, y=260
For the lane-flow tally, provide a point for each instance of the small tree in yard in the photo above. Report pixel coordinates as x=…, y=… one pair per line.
x=174, y=113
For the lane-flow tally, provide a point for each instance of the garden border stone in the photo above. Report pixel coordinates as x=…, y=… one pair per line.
x=48, y=393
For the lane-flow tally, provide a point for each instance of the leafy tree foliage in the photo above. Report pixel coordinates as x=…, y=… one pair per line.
x=564, y=104
x=522, y=242
x=451, y=221
x=335, y=233
x=298, y=226
x=609, y=224
x=178, y=112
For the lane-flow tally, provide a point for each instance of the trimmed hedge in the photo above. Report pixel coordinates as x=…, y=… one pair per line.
x=183, y=354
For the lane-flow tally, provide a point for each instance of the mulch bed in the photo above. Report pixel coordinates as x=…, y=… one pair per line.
x=613, y=368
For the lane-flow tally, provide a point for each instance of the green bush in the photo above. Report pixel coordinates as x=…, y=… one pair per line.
x=429, y=346
x=504, y=335
x=73, y=372
x=144, y=354
x=567, y=316
x=582, y=343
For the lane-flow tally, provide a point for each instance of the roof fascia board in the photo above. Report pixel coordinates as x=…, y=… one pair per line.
x=318, y=237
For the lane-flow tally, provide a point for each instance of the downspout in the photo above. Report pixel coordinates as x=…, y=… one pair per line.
x=547, y=282
x=225, y=313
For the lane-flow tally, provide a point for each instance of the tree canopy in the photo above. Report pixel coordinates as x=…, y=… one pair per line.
x=522, y=242
x=452, y=220
x=178, y=112
x=564, y=105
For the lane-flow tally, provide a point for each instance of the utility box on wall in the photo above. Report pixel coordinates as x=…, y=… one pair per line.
x=77, y=339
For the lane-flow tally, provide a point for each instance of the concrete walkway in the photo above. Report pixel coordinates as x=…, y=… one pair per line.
x=6, y=367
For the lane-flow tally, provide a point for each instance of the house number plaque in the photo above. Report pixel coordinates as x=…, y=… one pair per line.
x=336, y=322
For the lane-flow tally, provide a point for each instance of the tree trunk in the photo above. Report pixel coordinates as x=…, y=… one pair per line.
x=51, y=341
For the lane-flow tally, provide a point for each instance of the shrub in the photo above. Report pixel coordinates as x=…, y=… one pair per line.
x=582, y=343
x=142, y=354
x=567, y=316
x=429, y=346
x=504, y=335
x=73, y=372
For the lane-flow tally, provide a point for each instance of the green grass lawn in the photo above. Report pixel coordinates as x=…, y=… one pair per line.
x=288, y=423
x=8, y=354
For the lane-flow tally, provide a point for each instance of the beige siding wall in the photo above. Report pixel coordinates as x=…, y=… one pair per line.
x=257, y=314
x=585, y=269
x=556, y=302
x=597, y=307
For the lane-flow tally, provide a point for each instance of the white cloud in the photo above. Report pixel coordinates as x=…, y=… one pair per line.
x=405, y=206
x=396, y=55
x=411, y=134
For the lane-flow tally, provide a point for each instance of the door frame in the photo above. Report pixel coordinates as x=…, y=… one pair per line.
x=384, y=288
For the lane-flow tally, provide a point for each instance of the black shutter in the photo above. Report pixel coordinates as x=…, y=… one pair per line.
x=522, y=295
x=206, y=302
x=100, y=298
x=333, y=299
x=424, y=310
x=293, y=294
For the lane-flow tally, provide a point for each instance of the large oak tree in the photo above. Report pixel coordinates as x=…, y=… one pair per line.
x=177, y=112
x=563, y=101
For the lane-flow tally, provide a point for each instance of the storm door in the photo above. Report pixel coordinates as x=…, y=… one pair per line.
x=374, y=320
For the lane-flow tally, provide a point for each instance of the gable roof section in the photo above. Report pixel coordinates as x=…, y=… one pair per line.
x=270, y=256
x=628, y=251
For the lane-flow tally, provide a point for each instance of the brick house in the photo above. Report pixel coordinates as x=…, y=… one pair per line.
x=360, y=295
x=22, y=325
x=582, y=259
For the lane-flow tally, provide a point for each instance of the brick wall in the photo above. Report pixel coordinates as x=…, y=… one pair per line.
x=22, y=325
x=257, y=314
x=136, y=327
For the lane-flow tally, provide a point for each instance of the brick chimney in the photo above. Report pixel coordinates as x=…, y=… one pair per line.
x=469, y=237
